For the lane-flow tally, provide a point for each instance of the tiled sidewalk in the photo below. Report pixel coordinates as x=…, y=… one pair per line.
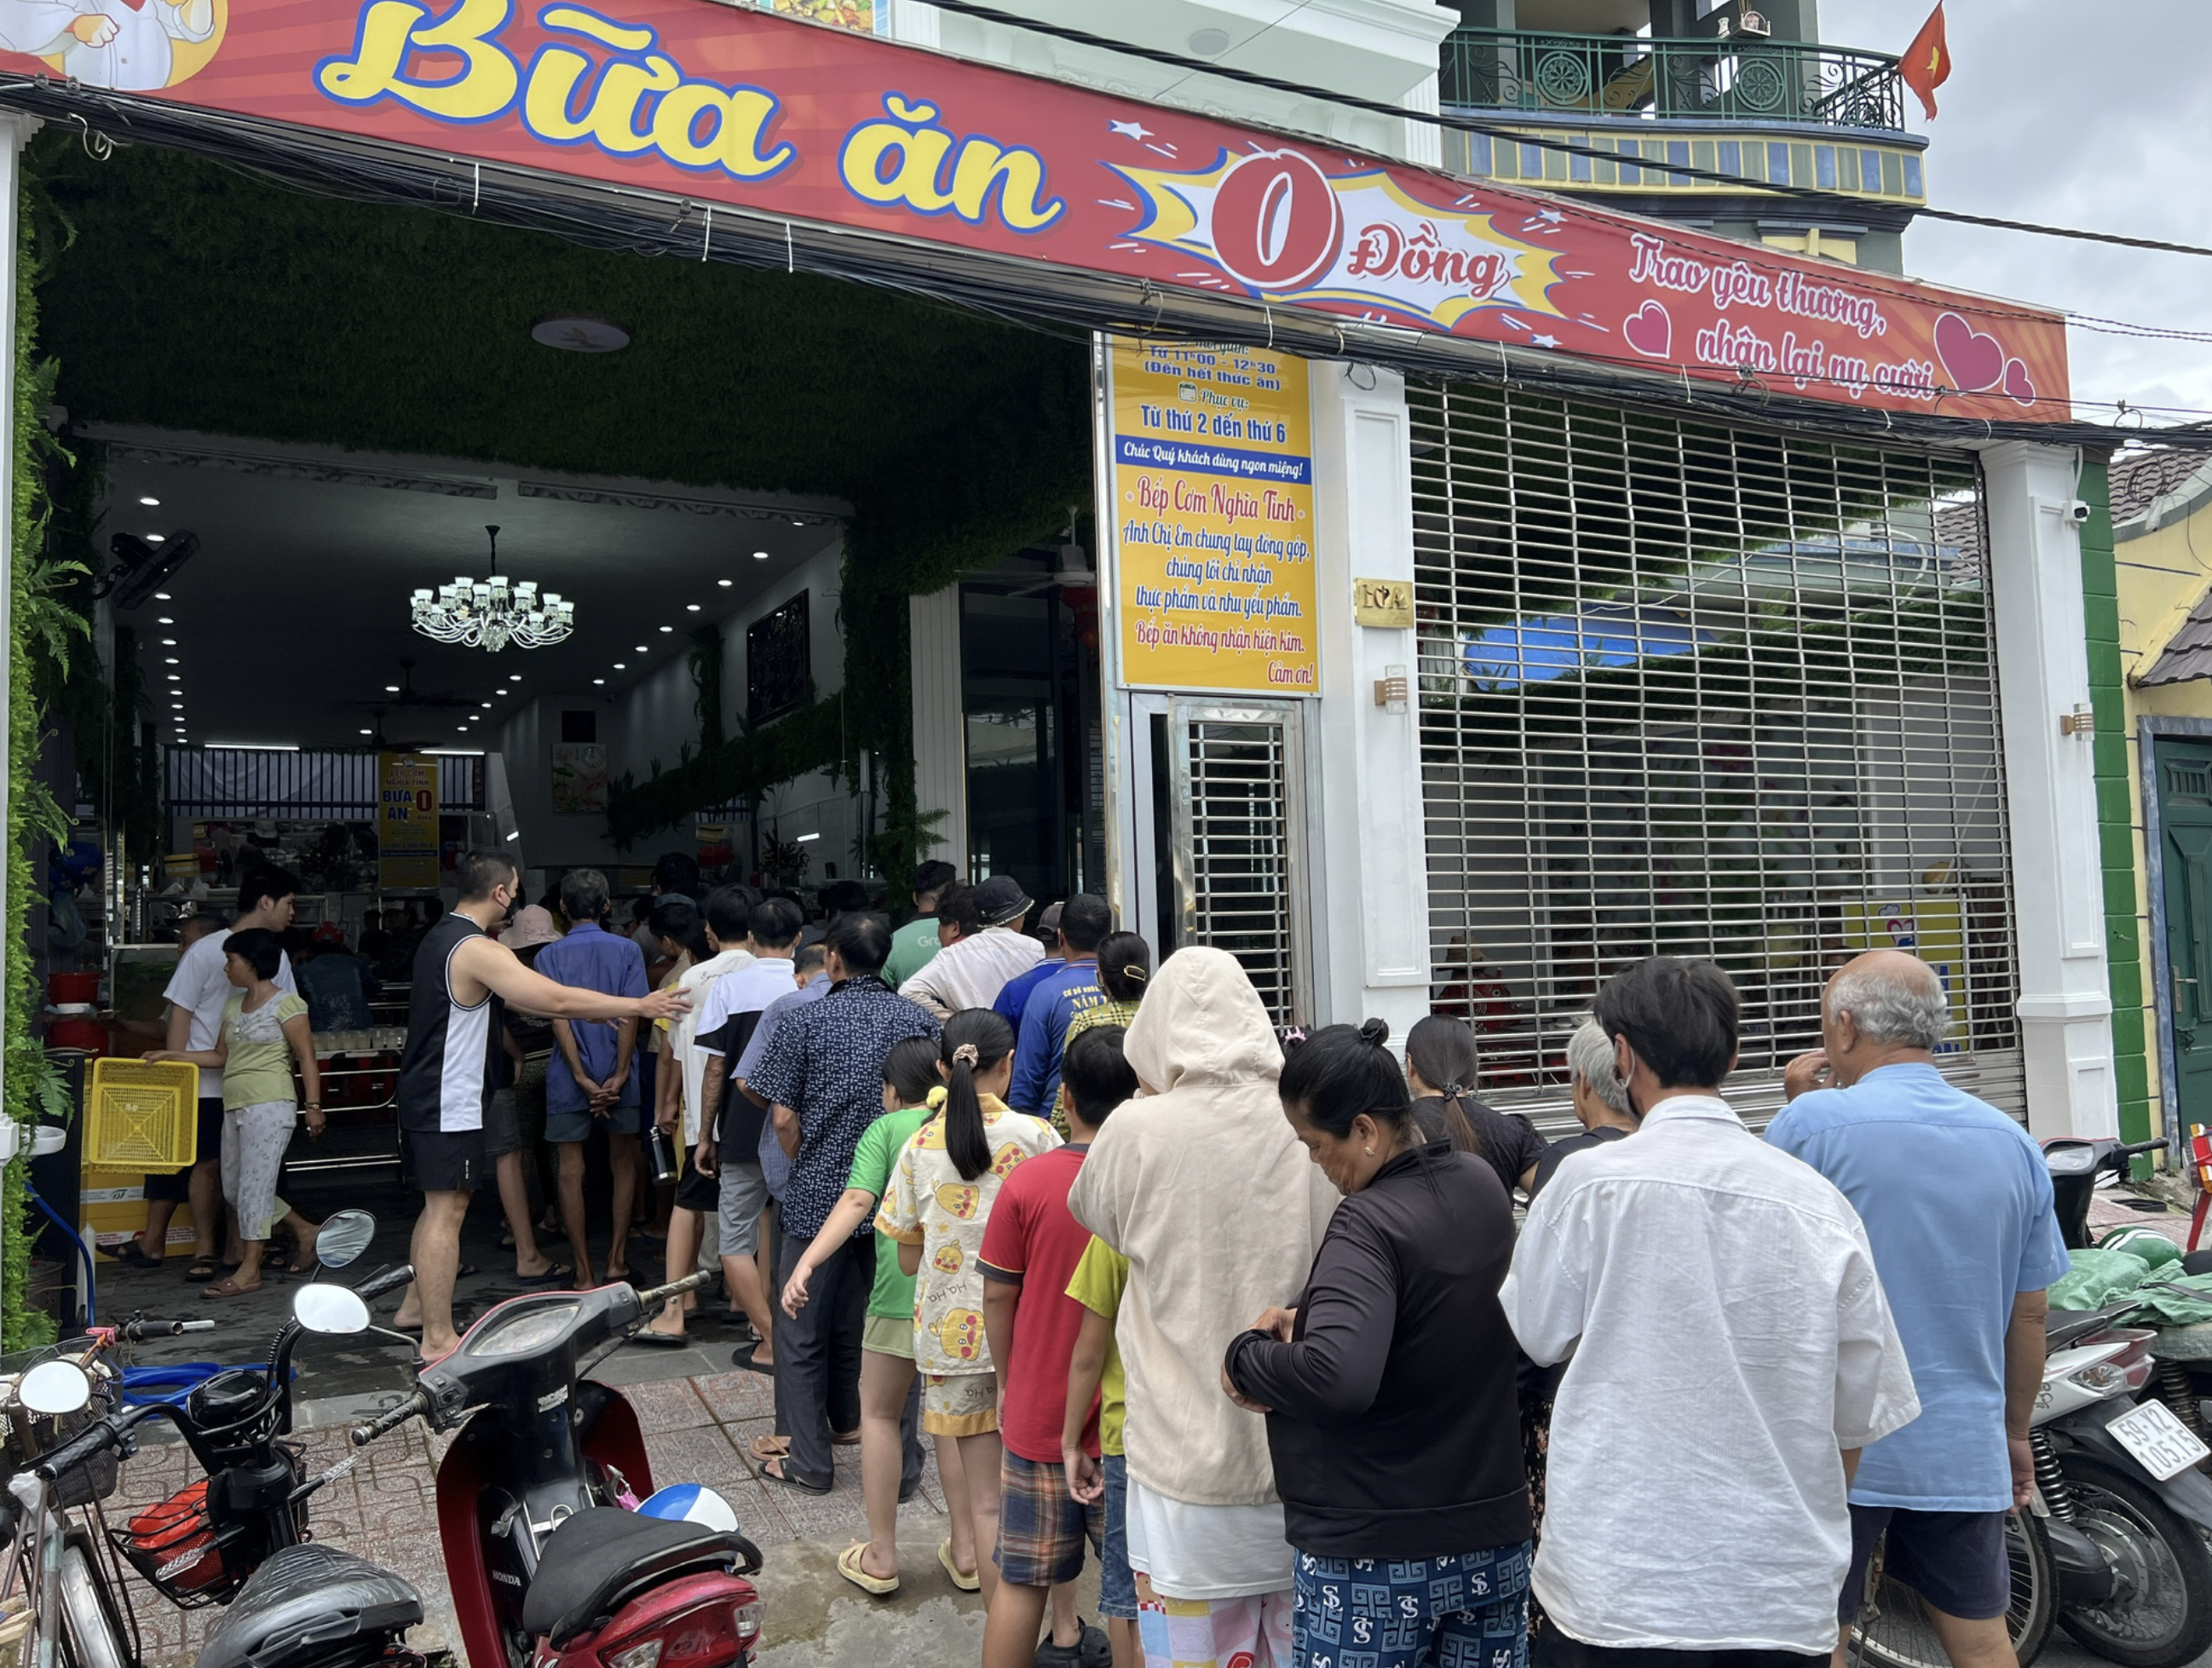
x=696, y=1430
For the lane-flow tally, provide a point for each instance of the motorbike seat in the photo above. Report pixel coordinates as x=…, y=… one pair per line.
x=304, y=1603
x=593, y=1562
x=2062, y=1327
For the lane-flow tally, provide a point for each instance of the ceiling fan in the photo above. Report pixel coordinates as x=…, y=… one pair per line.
x=408, y=697
x=1071, y=570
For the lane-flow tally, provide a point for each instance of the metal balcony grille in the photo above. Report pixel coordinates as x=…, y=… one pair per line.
x=1700, y=691
x=1235, y=775
x=224, y=782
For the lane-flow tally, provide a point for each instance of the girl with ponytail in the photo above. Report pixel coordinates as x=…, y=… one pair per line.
x=1440, y=1069
x=1389, y=1385
x=940, y=1202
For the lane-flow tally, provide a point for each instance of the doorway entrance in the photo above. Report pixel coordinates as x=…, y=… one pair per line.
x=2183, y=774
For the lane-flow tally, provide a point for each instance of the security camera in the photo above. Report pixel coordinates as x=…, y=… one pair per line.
x=2077, y=512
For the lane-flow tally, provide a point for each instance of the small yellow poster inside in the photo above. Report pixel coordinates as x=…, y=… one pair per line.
x=1214, y=519
x=406, y=822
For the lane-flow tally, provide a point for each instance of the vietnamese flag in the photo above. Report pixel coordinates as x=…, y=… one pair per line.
x=1927, y=63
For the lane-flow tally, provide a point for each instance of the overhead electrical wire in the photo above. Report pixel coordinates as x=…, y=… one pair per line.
x=1499, y=128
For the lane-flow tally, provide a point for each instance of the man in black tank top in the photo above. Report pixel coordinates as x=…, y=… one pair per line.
x=463, y=976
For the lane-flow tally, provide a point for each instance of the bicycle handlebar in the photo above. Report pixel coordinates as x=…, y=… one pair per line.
x=654, y=1296
x=135, y=1330
x=377, y=1285
x=391, y=1419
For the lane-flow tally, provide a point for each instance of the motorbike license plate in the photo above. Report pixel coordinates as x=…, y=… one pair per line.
x=2164, y=1445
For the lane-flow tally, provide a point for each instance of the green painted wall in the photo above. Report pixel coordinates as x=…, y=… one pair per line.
x=2116, y=835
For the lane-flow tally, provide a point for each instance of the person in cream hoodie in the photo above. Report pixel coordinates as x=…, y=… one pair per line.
x=1200, y=1184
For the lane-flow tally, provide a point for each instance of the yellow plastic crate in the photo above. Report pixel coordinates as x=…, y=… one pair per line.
x=142, y=1116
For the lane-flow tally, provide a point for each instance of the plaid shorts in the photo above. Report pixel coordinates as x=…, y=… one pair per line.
x=1042, y=1527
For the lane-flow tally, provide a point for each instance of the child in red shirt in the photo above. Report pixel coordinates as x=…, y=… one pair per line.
x=1031, y=1248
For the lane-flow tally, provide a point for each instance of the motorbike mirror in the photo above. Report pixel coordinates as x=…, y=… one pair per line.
x=54, y=1388
x=330, y=1309
x=343, y=1236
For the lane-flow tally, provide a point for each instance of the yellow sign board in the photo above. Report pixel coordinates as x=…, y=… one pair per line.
x=1933, y=928
x=1212, y=523
x=406, y=822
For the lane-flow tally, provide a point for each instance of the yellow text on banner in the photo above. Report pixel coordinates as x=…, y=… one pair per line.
x=406, y=822
x=1214, y=519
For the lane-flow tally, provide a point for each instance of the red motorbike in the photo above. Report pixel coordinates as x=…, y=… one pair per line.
x=559, y=1553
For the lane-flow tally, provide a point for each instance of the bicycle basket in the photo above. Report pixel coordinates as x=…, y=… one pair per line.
x=176, y=1546
x=142, y=1116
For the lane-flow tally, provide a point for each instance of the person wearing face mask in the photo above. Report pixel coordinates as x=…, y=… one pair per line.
x=1732, y=1353
x=1389, y=1386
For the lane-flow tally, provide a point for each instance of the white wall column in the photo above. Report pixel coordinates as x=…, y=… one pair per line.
x=940, y=745
x=1368, y=885
x=2034, y=574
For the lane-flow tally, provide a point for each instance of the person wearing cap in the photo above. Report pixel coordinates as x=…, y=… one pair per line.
x=1014, y=998
x=991, y=949
x=914, y=943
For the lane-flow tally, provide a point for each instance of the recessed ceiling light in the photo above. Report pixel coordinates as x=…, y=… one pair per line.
x=642, y=649
x=498, y=692
x=151, y=503
x=798, y=524
x=163, y=597
x=169, y=642
x=368, y=732
x=621, y=665
x=726, y=584
x=157, y=538
x=174, y=678
x=166, y=621
x=668, y=627
x=487, y=708
x=171, y=660
x=461, y=730
x=760, y=555
x=514, y=677
x=688, y=607
x=391, y=689
x=599, y=680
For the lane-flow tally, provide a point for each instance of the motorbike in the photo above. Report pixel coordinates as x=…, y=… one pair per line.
x=238, y=1538
x=558, y=1552
x=2076, y=1165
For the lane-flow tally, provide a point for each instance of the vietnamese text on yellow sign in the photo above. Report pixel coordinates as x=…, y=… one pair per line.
x=1214, y=519
x=407, y=821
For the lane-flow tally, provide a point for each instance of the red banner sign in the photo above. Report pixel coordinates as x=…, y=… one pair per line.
x=735, y=106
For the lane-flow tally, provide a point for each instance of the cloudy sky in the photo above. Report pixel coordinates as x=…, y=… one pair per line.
x=2089, y=116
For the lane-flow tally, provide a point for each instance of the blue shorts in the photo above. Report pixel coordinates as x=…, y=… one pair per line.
x=1956, y=1561
x=1467, y=1611
x=565, y=1126
x=1117, y=1583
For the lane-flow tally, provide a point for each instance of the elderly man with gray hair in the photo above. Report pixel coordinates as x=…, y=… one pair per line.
x=1956, y=1203
x=1600, y=1102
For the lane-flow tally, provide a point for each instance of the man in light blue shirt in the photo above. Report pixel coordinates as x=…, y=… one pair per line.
x=1956, y=1202
x=1056, y=998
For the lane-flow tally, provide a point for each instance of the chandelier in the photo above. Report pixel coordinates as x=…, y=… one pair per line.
x=489, y=613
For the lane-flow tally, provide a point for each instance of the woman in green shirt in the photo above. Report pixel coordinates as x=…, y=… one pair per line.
x=263, y=1029
x=888, y=1384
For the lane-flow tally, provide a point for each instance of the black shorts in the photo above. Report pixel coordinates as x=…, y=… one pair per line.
x=176, y=1184
x=698, y=1191
x=445, y=1161
x=1956, y=1561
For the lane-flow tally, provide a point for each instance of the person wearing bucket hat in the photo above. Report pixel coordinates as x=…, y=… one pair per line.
x=532, y=924
x=991, y=949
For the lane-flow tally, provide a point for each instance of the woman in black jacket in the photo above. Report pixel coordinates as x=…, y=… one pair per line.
x=1389, y=1389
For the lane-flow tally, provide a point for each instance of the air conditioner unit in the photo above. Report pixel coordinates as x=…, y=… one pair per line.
x=1751, y=22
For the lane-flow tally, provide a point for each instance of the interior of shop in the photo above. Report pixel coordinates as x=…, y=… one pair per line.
x=275, y=418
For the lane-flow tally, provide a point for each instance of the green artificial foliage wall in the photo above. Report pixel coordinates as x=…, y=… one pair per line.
x=197, y=296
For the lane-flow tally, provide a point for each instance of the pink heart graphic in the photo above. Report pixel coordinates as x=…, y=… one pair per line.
x=1975, y=361
x=2017, y=385
x=1650, y=330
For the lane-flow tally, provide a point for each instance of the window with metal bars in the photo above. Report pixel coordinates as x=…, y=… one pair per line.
x=1696, y=690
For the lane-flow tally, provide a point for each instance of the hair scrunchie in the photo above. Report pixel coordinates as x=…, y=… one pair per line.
x=967, y=1054
x=935, y=1099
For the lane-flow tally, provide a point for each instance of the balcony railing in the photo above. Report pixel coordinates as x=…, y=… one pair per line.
x=1737, y=79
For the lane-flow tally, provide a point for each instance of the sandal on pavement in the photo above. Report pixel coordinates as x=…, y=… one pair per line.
x=202, y=1271
x=657, y=1340
x=765, y=1448
x=228, y=1287
x=771, y=1471
x=849, y=1567
x=551, y=1277
x=132, y=1254
x=970, y=1582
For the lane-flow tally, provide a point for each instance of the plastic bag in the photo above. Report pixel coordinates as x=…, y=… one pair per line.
x=2098, y=1278
x=2184, y=1300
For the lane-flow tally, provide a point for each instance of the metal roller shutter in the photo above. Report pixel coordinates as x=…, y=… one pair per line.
x=1705, y=691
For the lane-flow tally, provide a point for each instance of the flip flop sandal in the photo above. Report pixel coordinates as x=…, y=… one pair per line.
x=765, y=1448
x=228, y=1287
x=202, y=1271
x=654, y=1340
x=552, y=1277
x=131, y=1255
x=848, y=1566
x=971, y=1582
x=777, y=1477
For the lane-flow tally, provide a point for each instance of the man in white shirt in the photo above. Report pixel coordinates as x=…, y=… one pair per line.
x=729, y=1137
x=1732, y=1353
x=197, y=993
x=992, y=948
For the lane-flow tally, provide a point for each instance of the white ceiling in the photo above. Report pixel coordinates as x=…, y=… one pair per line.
x=292, y=616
